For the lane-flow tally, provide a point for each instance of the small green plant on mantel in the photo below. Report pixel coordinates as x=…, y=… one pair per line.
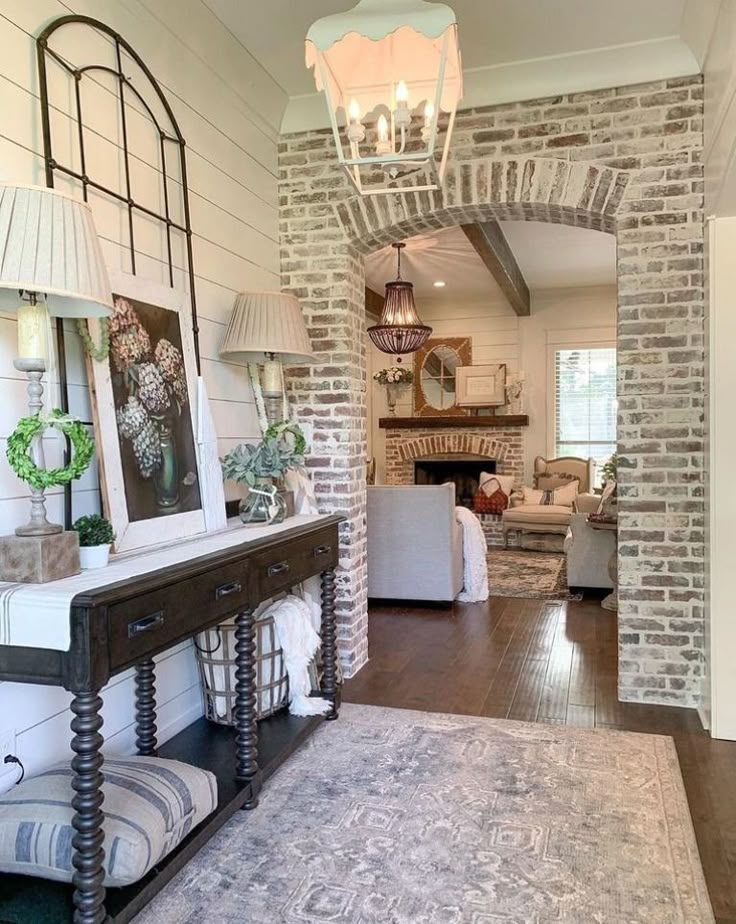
x=609, y=472
x=94, y=530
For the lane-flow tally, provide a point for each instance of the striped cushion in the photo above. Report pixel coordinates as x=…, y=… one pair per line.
x=150, y=806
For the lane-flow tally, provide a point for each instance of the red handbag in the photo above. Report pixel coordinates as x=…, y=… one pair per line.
x=496, y=503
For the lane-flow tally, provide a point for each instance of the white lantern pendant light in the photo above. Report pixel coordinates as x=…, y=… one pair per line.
x=391, y=65
x=399, y=330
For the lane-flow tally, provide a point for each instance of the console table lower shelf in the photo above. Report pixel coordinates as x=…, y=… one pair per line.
x=27, y=900
x=124, y=622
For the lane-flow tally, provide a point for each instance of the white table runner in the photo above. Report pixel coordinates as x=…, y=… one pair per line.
x=37, y=615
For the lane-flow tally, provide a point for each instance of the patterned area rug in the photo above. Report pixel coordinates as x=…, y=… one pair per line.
x=389, y=816
x=536, y=575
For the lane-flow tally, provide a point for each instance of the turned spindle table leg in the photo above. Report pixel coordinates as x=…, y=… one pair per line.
x=88, y=855
x=145, y=707
x=246, y=727
x=329, y=642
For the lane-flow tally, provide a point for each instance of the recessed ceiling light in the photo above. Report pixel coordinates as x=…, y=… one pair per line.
x=440, y=284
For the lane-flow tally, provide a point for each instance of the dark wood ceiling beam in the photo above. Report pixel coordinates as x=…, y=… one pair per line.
x=492, y=247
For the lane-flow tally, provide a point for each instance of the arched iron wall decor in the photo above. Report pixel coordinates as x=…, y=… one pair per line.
x=169, y=138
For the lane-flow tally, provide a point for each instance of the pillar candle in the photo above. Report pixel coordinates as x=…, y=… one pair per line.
x=271, y=378
x=33, y=338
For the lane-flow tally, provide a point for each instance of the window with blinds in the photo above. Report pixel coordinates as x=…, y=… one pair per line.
x=585, y=403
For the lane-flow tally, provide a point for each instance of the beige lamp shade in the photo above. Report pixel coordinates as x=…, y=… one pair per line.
x=267, y=322
x=49, y=246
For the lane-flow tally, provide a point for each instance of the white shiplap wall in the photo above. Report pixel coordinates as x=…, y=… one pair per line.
x=228, y=110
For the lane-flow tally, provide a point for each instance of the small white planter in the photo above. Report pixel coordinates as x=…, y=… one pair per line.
x=94, y=556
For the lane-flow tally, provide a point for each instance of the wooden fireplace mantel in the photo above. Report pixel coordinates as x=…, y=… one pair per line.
x=427, y=423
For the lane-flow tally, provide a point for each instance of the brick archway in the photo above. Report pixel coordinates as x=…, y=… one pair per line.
x=619, y=173
x=528, y=189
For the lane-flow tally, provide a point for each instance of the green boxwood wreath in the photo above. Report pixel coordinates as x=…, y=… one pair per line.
x=19, y=444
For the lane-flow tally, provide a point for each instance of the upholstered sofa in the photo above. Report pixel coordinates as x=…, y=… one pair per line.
x=547, y=518
x=588, y=550
x=415, y=545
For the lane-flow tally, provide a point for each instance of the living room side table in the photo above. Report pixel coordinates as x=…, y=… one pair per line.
x=118, y=624
x=611, y=601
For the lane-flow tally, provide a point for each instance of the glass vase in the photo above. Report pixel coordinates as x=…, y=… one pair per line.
x=166, y=478
x=263, y=504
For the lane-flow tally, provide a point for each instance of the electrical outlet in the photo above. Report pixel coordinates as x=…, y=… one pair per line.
x=7, y=746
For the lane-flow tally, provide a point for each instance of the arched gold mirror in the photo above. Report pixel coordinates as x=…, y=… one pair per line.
x=435, y=375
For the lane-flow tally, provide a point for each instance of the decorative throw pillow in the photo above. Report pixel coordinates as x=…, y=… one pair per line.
x=150, y=806
x=549, y=481
x=561, y=497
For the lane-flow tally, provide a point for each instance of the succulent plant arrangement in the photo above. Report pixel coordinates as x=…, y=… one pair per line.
x=281, y=449
x=155, y=380
x=394, y=375
x=93, y=530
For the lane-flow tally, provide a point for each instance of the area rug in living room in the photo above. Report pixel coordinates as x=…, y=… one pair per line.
x=522, y=573
x=390, y=816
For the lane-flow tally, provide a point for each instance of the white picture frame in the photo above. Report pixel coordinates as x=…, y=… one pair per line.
x=134, y=529
x=481, y=386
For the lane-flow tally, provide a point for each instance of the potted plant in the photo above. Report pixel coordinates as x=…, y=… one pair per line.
x=609, y=471
x=393, y=378
x=95, y=538
x=261, y=466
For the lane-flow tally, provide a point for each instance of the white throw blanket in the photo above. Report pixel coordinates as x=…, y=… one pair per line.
x=475, y=550
x=299, y=642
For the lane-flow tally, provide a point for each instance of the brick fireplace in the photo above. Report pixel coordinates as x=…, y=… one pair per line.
x=500, y=440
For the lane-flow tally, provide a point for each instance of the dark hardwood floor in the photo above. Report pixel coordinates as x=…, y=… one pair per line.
x=553, y=663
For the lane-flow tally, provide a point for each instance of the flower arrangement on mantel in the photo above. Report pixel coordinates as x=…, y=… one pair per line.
x=393, y=378
x=394, y=375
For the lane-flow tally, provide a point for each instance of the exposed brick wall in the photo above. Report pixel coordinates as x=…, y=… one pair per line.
x=626, y=161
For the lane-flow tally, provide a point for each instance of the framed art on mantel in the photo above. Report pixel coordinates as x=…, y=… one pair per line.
x=144, y=398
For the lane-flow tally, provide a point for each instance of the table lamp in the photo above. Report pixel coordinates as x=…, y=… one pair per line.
x=268, y=328
x=50, y=264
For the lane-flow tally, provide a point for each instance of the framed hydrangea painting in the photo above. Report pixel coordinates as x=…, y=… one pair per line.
x=144, y=403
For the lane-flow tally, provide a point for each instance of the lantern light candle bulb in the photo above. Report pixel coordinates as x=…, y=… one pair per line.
x=428, y=116
x=384, y=145
x=356, y=131
x=402, y=115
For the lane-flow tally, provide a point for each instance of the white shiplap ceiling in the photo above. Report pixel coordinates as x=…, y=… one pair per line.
x=549, y=256
x=512, y=49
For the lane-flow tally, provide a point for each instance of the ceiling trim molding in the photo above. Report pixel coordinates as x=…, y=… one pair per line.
x=540, y=78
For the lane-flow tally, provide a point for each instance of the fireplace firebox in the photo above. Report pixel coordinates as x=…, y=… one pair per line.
x=462, y=471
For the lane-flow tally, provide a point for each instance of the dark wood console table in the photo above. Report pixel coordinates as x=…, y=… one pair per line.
x=123, y=625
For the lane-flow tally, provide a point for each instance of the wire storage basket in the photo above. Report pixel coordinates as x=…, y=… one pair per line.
x=216, y=659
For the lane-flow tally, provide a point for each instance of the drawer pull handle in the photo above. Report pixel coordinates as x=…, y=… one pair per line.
x=224, y=590
x=322, y=550
x=146, y=624
x=280, y=568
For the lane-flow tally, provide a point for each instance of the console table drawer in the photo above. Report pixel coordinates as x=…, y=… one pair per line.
x=278, y=569
x=160, y=618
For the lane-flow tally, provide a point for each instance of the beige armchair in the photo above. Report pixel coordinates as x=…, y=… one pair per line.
x=548, y=518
